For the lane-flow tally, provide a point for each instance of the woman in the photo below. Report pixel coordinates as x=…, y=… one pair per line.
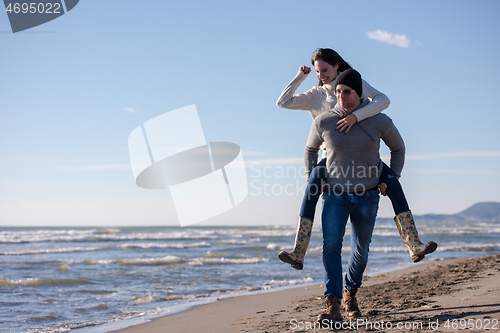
x=328, y=64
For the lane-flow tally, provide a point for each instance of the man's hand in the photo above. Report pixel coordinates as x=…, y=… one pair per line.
x=346, y=123
x=383, y=189
x=306, y=70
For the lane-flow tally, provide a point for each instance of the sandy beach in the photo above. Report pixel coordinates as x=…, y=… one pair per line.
x=435, y=296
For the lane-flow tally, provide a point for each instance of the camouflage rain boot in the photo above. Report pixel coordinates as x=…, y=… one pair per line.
x=296, y=257
x=409, y=235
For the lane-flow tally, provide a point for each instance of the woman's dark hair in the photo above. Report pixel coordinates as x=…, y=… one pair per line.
x=331, y=57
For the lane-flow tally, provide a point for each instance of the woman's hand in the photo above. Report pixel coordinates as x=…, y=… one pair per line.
x=346, y=123
x=306, y=70
x=383, y=189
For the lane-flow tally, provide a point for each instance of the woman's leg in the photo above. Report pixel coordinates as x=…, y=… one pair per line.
x=306, y=217
x=313, y=190
x=404, y=219
x=394, y=190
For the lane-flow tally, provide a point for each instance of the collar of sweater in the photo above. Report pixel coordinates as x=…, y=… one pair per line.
x=330, y=86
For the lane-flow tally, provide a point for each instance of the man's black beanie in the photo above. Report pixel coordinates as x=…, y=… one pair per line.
x=352, y=79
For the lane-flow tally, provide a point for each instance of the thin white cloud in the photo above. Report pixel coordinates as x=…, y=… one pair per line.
x=389, y=38
x=128, y=109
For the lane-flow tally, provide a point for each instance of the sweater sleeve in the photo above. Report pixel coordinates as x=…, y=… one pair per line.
x=378, y=102
x=394, y=141
x=312, y=146
x=304, y=101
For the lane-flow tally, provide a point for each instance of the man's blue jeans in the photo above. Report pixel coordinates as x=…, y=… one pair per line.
x=313, y=190
x=337, y=208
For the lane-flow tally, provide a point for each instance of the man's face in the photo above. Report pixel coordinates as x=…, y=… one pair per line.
x=348, y=98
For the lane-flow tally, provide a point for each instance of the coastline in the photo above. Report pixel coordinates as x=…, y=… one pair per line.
x=426, y=295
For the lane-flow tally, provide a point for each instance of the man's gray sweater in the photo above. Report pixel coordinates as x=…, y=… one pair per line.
x=353, y=160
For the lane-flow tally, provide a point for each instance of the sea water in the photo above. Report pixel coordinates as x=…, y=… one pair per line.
x=101, y=279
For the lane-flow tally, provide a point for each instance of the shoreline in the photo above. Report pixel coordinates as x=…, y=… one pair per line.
x=422, y=294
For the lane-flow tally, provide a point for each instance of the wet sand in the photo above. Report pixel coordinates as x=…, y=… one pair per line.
x=438, y=296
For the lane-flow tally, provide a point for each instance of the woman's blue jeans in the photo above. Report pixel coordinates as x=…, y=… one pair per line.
x=313, y=190
x=337, y=208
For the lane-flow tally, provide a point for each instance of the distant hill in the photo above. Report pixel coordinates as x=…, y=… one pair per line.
x=484, y=211
x=481, y=211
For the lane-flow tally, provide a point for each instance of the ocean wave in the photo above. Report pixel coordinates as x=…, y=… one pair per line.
x=209, y=259
x=273, y=246
x=36, y=282
x=239, y=241
x=163, y=245
x=101, y=235
x=43, y=235
x=142, y=300
x=225, y=261
x=168, y=260
x=388, y=249
x=107, y=231
x=274, y=283
x=455, y=246
x=47, y=251
x=385, y=232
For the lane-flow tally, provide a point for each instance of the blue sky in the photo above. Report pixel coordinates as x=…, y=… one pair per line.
x=73, y=89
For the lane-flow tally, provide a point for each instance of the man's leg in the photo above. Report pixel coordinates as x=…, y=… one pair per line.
x=334, y=219
x=363, y=214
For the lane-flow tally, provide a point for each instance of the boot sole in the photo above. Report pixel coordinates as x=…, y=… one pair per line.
x=297, y=265
x=336, y=320
x=429, y=249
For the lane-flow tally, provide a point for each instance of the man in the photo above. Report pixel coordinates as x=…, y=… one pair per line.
x=354, y=167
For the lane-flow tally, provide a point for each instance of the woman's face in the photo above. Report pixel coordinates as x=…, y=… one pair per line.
x=326, y=72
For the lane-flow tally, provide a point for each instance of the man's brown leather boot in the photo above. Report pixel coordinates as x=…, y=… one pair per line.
x=332, y=310
x=351, y=304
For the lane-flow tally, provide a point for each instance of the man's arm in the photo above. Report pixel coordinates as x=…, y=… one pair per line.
x=312, y=146
x=394, y=141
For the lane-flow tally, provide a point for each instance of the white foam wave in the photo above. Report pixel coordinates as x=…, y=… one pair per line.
x=385, y=232
x=455, y=246
x=225, y=261
x=163, y=245
x=273, y=246
x=101, y=235
x=168, y=260
x=388, y=249
x=141, y=300
x=240, y=241
x=35, y=282
x=288, y=282
x=46, y=251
